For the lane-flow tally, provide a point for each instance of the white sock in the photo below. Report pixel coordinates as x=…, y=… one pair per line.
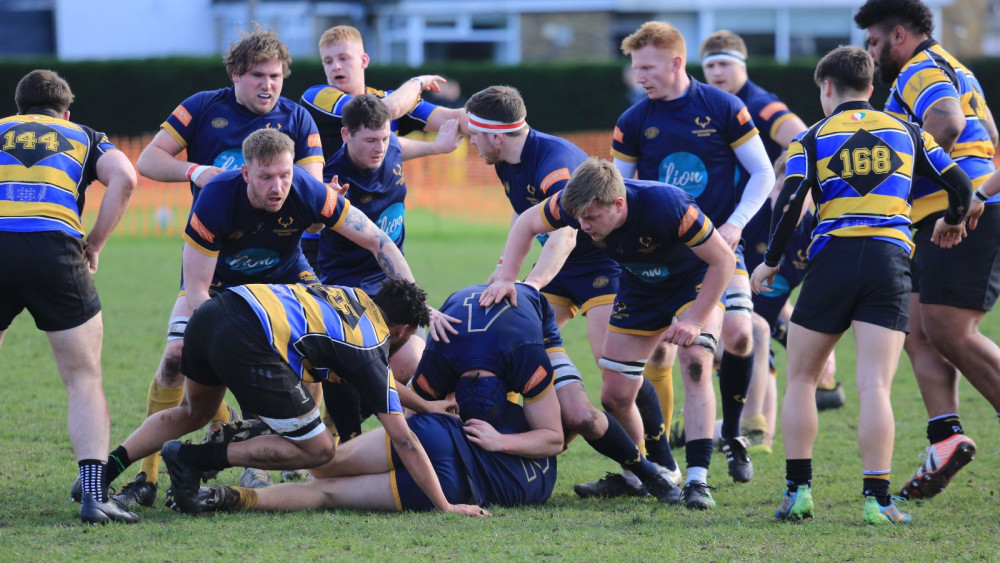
x=631, y=479
x=697, y=475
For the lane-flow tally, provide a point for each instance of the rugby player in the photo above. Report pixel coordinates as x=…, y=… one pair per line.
x=370, y=165
x=953, y=289
x=575, y=276
x=697, y=137
x=48, y=162
x=858, y=275
x=675, y=270
x=211, y=126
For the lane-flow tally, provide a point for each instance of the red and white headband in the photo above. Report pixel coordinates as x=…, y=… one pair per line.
x=477, y=123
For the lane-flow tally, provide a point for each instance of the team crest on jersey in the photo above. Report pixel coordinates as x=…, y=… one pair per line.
x=365, y=198
x=285, y=223
x=397, y=171
x=277, y=126
x=802, y=259
x=651, y=132
x=236, y=235
x=647, y=245
x=601, y=281
x=618, y=310
x=703, y=124
x=220, y=122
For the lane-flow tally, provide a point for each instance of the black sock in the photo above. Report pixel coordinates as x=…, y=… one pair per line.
x=698, y=453
x=118, y=462
x=734, y=380
x=653, y=428
x=617, y=445
x=205, y=456
x=92, y=478
x=878, y=488
x=798, y=472
x=943, y=427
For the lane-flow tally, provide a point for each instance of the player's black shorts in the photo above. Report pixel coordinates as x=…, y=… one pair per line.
x=224, y=344
x=46, y=272
x=855, y=279
x=967, y=275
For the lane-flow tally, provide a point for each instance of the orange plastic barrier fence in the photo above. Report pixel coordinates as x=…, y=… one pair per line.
x=457, y=185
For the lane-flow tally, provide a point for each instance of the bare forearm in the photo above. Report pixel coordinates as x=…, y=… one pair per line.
x=535, y=443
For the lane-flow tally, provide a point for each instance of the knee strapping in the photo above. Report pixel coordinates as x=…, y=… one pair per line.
x=707, y=341
x=565, y=372
x=176, y=328
x=631, y=370
x=740, y=302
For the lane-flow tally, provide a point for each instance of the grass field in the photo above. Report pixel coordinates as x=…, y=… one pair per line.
x=138, y=281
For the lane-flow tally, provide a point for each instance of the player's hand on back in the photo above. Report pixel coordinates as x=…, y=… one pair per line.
x=497, y=292
x=482, y=434
x=440, y=326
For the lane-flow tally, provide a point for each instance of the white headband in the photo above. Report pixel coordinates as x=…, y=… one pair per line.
x=728, y=55
x=477, y=123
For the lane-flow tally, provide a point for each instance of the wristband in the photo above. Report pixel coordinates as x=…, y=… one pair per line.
x=198, y=171
x=191, y=170
x=982, y=197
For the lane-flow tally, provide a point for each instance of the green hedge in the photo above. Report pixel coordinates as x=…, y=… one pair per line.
x=133, y=97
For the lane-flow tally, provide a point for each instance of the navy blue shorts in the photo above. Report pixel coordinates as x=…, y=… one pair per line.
x=581, y=286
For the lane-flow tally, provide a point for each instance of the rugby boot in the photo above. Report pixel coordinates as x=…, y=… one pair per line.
x=738, y=459
x=183, y=480
x=698, y=496
x=875, y=514
x=829, y=399
x=93, y=512
x=610, y=486
x=252, y=478
x=661, y=487
x=797, y=505
x=218, y=498
x=137, y=493
x=942, y=460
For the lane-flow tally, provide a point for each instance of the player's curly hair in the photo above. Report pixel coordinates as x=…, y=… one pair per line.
x=886, y=14
x=255, y=47
x=43, y=89
x=402, y=303
x=594, y=181
x=367, y=111
x=661, y=35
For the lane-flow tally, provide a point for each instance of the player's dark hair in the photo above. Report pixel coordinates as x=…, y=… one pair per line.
x=264, y=145
x=258, y=46
x=402, y=303
x=847, y=68
x=365, y=111
x=499, y=103
x=594, y=181
x=43, y=89
x=887, y=14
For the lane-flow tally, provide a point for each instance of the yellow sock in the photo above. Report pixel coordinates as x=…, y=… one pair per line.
x=514, y=397
x=223, y=415
x=662, y=379
x=753, y=422
x=248, y=499
x=642, y=448
x=158, y=399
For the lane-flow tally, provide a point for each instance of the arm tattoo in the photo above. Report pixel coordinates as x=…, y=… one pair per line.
x=386, y=264
x=355, y=218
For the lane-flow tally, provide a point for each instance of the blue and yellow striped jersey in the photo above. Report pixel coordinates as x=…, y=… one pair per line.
x=46, y=164
x=859, y=164
x=327, y=332
x=930, y=76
